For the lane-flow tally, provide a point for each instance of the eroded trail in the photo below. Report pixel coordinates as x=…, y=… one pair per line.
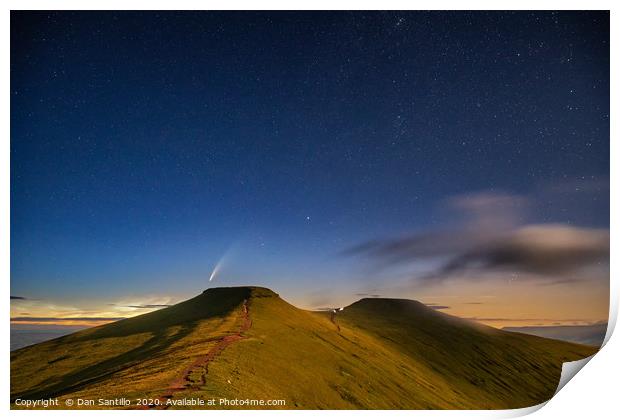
x=187, y=379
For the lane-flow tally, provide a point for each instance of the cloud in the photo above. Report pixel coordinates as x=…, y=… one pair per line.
x=438, y=306
x=561, y=281
x=60, y=319
x=481, y=216
x=490, y=210
x=491, y=237
x=143, y=302
x=544, y=320
x=541, y=249
x=18, y=298
x=372, y=295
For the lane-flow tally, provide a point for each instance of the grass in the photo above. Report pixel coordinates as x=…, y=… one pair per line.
x=386, y=353
x=147, y=352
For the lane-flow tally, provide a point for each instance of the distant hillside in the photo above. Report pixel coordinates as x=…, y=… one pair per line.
x=246, y=342
x=592, y=335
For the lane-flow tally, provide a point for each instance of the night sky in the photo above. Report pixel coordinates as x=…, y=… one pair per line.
x=146, y=147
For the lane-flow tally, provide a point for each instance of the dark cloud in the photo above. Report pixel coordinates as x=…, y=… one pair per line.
x=372, y=295
x=18, y=298
x=54, y=319
x=491, y=238
x=438, y=306
x=550, y=250
x=490, y=235
x=543, y=249
x=473, y=303
x=423, y=245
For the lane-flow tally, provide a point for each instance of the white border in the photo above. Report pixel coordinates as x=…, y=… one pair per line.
x=593, y=394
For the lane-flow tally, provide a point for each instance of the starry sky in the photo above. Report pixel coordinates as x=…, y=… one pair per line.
x=310, y=152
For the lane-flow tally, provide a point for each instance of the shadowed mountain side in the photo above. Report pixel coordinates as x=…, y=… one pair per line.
x=591, y=335
x=246, y=342
x=87, y=357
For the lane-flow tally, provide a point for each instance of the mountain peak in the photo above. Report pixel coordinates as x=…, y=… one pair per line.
x=248, y=291
x=392, y=303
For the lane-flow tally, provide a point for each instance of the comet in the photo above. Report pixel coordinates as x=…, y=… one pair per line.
x=216, y=270
x=221, y=262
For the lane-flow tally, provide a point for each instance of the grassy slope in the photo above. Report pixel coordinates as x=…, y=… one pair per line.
x=133, y=358
x=388, y=354
x=488, y=368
